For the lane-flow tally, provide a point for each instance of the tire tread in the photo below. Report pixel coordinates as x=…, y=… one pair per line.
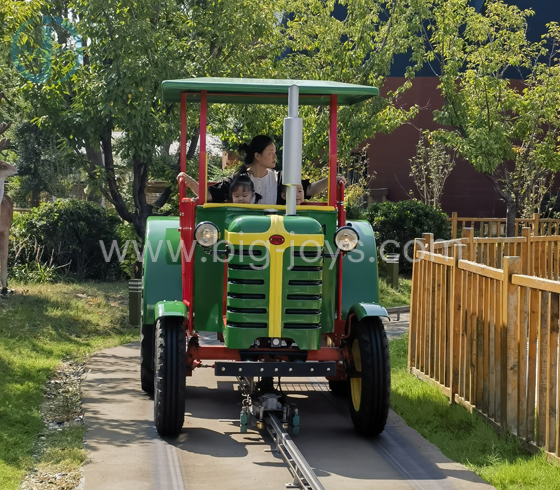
x=371, y=418
x=170, y=374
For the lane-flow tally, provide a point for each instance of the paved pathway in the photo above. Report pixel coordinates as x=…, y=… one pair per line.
x=125, y=452
x=396, y=328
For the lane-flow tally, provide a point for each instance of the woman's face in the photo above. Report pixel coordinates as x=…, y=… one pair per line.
x=267, y=158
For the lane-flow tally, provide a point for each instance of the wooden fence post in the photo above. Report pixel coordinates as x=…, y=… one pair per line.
x=510, y=344
x=455, y=319
x=416, y=272
x=429, y=300
x=428, y=239
x=536, y=231
x=469, y=233
x=454, y=225
x=417, y=296
x=526, y=252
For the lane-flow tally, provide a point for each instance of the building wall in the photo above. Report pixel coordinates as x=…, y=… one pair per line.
x=466, y=191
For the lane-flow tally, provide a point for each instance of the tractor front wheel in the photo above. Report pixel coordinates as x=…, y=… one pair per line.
x=147, y=359
x=170, y=375
x=369, y=376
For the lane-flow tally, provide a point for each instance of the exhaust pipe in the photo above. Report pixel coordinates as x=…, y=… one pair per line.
x=291, y=153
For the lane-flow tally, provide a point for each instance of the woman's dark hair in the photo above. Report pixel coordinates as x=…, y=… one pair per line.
x=243, y=181
x=257, y=145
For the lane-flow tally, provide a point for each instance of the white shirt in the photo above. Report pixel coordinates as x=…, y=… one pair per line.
x=267, y=187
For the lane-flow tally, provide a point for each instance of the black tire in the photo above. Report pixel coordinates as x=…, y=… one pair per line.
x=339, y=387
x=170, y=374
x=147, y=359
x=370, y=377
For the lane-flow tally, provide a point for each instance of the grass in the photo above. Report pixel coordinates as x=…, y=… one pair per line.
x=39, y=327
x=389, y=297
x=462, y=436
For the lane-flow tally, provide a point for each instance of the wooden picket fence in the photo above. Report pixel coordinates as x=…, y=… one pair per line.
x=496, y=227
x=540, y=255
x=487, y=336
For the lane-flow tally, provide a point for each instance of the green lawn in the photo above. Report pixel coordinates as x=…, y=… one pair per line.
x=462, y=436
x=39, y=327
x=389, y=297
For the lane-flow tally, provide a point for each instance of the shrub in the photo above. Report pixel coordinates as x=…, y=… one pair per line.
x=35, y=273
x=65, y=236
x=403, y=222
x=354, y=211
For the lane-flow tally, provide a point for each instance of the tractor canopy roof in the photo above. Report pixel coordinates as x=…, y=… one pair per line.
x=265, y=91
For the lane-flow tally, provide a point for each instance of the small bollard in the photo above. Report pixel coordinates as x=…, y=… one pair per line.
x=135, y=302
x=392, y=265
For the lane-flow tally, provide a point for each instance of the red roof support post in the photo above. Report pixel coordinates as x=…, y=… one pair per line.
x=186, y=220
x=332, y=151
x=202, y=161
x=341, y=222
x=183, y=133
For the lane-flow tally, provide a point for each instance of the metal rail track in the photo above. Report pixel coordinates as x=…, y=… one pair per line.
x=304, y=477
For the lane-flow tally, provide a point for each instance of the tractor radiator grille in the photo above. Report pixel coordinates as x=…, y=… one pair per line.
x=247, y=289
x=302, y=289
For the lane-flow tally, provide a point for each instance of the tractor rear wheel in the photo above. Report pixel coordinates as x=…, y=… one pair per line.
x=170, y=375
x=370, y=376
x=147, y=359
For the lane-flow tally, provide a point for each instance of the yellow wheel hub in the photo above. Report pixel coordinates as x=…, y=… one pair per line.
x=356, y=383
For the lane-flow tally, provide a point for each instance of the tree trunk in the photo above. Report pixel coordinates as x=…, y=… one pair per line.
x=511, y=214
x=35, y=198
x=511, y=204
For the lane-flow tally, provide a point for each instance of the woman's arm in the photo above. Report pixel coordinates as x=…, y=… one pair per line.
x=321, y=185
x=193, y=185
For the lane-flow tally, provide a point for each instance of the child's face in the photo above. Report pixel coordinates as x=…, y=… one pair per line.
x=300, y=196
x=242, y=195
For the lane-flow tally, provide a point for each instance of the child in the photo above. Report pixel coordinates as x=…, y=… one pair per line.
x=242, y=190
x=300, y=196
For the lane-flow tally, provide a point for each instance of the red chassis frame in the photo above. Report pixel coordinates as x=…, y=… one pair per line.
x=187, y=208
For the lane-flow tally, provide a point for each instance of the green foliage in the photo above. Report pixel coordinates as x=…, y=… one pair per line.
x=129, y=49
x=64, y=236
x=506, y=129
x=310, y=40
x=429, y=169
x=389, y=297
x=42, y=167
x=126, y=232
x=354, y=211
x=36, y=273
x=402, y=222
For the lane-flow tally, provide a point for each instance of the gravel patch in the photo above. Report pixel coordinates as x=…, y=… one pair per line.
x=61, y=410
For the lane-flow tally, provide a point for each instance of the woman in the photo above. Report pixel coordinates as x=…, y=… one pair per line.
x=259, y=163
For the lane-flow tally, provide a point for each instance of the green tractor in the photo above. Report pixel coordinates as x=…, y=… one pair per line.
x=289, y=290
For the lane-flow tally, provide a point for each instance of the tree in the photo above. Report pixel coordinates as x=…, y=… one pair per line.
x=507, y=129
x=129, y=48
x=42, y=166
x=13, y=107
x=358, y=45
x=429, y=169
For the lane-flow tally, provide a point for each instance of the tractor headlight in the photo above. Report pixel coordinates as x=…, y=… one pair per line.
x=206, y=234
x=346, y=238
